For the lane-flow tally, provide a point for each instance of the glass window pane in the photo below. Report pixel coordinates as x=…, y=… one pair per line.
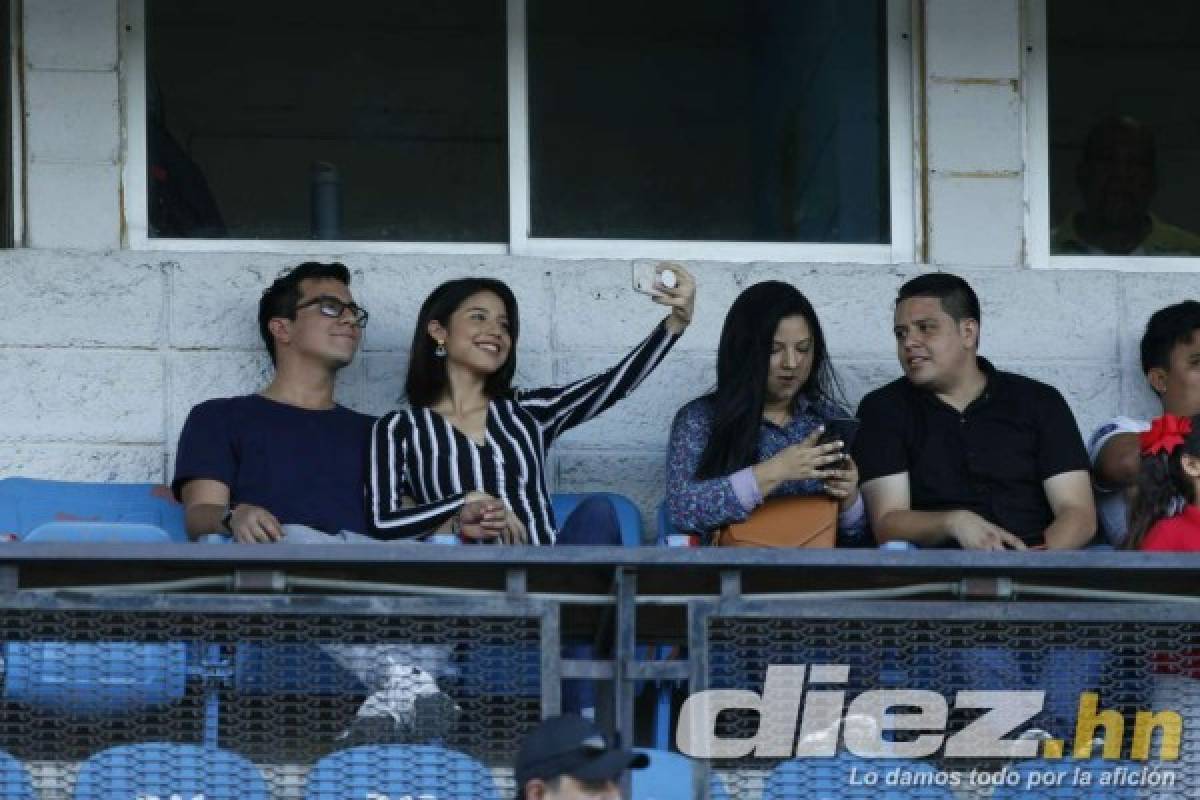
x=1124, y=143
x=306, y=119
x=751, y=120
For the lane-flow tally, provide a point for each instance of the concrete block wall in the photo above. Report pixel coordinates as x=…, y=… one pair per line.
x=107, y=353
x=72, y=124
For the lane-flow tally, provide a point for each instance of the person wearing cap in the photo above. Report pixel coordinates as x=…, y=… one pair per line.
x=569, y=758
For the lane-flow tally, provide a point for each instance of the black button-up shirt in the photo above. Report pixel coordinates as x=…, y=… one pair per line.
x=991, y=458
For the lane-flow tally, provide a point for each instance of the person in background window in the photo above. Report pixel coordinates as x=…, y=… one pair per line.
x=1171, y=361
x=755, y=436
x=1117, y=178
x=181, y=204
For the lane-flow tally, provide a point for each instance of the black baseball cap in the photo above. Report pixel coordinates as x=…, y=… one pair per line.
x=571, y=745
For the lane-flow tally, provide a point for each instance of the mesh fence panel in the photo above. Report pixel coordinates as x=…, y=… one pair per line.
x=1130, y=666
x=123, y=704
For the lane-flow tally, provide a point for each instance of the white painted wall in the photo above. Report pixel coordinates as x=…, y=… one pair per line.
x=104, y=350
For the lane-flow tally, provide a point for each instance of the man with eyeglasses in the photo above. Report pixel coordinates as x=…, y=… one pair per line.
x=568, y=758
x=288, y=464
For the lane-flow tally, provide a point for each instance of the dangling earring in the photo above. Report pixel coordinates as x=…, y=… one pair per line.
x=440, y=350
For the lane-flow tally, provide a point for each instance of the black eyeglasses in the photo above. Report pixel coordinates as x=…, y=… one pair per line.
x=333, y=308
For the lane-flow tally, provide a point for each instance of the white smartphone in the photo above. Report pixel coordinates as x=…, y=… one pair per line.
x=646, y=275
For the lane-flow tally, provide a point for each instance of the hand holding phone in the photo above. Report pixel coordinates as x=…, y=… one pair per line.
x=840, y=429
x=650, y=277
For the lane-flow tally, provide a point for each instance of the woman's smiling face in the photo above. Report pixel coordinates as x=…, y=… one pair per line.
x=477, y=334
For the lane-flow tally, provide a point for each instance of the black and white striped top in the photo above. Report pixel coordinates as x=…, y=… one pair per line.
x=418, y=453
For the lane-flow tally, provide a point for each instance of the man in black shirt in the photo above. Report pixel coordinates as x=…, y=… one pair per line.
x=957, y=452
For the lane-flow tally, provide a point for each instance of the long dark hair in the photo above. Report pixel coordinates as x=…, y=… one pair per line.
x=426, y=382
x=1161, y=480
x=743, y=362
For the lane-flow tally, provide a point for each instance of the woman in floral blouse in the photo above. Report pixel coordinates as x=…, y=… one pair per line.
x=755, y=436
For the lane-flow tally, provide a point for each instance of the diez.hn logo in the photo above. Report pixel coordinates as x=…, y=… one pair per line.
x=919, y=716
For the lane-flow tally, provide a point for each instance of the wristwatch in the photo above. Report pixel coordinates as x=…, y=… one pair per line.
x=227, y=519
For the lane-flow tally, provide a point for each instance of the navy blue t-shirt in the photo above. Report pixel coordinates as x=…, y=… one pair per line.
x=305, y=467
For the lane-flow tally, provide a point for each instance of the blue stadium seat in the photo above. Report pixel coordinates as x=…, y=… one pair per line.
x=664, y=524
x=1034, y=778
x=158, y=769
x=831, y=779
x=267, y=669
x=669, y=776
x=97, y=532
x=14, y=780
x=397, y=771
x=628, y=516
x=94, y=678
x=27, y=503
x=579, y=695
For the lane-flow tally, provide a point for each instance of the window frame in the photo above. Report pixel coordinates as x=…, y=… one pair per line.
x=903, y=198
x=14, y=170
x=1035, y=68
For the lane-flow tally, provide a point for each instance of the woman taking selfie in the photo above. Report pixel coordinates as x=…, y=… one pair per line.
x=755, y=437
x=471, y=450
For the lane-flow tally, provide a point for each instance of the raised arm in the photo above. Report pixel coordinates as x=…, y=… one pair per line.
x=559, y=408
x=388, y=484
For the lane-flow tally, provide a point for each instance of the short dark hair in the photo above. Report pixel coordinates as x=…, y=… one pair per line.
x=426, y=381
x=282, y=296
x=957, y=297
x=1168, y=327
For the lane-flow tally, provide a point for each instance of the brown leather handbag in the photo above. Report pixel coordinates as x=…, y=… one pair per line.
x=807, y=521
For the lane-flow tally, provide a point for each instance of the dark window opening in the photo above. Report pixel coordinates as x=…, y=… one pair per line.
x=1124, y=132
x=304, y=119
x=739, y=120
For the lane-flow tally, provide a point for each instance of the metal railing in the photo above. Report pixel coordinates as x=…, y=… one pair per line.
x=245, y=648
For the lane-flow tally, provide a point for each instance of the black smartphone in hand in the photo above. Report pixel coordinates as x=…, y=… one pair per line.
x=840, y=429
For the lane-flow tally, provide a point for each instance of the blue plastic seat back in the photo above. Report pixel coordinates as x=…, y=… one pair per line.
x=665, y=526
x=158, y=769
x=669, y=776
x=94, y=678
x=628, y=516
x=26, y=503
x=397, y=771
x=14, y=779
x=1057, y=780
x=290, y=669
x=97, y=532
x=844, y=777
x=499, y=668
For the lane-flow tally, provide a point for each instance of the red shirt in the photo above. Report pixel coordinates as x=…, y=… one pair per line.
x=1178, y=533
